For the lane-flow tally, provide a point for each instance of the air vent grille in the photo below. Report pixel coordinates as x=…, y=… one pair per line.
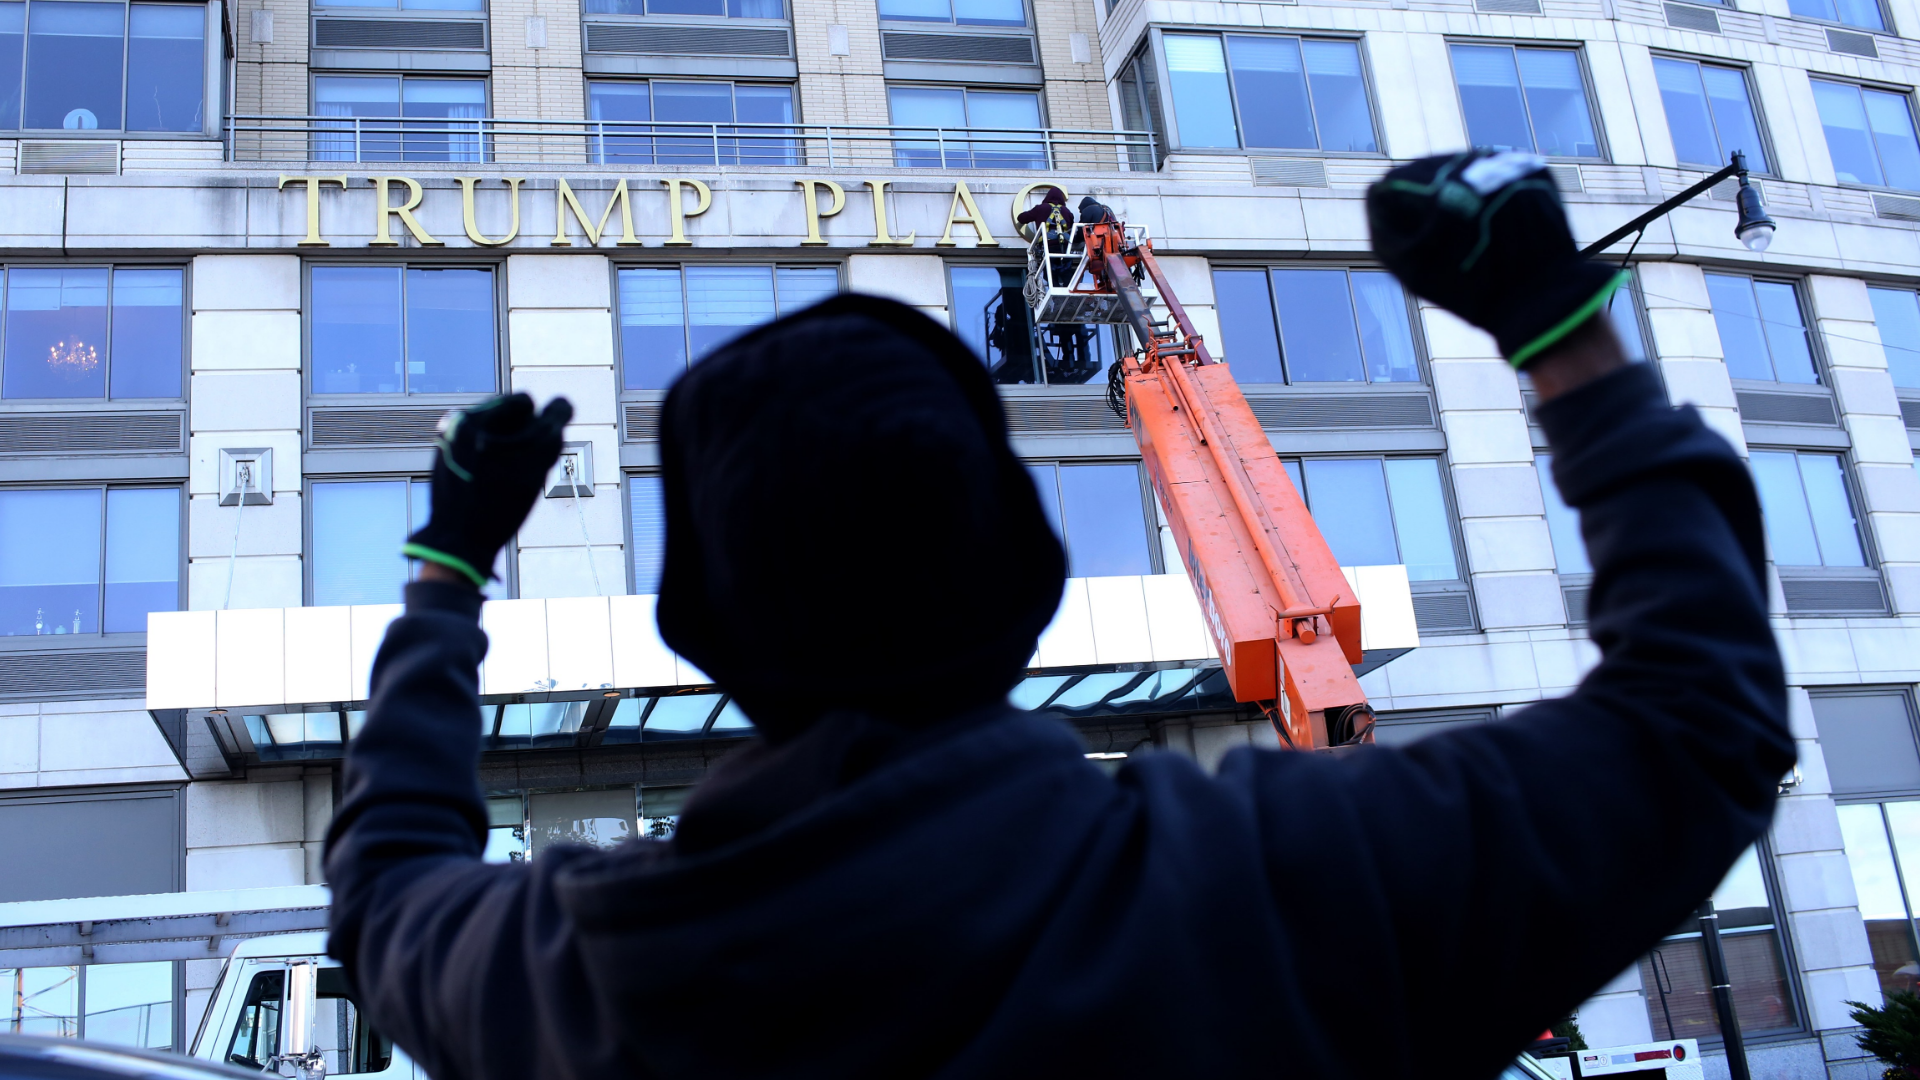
x=1759, y=407
x=1440, y=613
x=1576, y=598
x=687, y=40
x=76, y=156
x=1898, y=207
x=975, y=48
x=1688, y=17
x=1288, y=172
x=374, y=427
x=1843, y=41
x=91, y=433
x=643, y=421
x=1290, y=411
x=1833, y=596
x=66, y=673
x=1910, y=412
x=1508, y=7
x=1032, y=415
x=399, y=34
x=1566, y=178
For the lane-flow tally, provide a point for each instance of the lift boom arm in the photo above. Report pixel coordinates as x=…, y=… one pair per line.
x=1284, y=618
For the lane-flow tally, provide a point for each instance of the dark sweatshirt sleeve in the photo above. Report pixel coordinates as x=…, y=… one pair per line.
x=1444, y=902
x=470, y=967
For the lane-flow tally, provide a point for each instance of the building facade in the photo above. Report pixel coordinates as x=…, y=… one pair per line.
x=252, y=253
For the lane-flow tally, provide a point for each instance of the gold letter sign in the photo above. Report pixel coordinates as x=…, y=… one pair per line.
x=313, y=203
x=964, y=198
x=564, y=200
x=881, y=238
x=383, y=211
x=809, y=192
x=473, y=223
x=703, y=198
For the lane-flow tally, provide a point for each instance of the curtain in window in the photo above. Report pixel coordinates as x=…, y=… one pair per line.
x=646, y=511
x=1489, y=87
x=1020, y=112
x=1270, y=87
x=939, y=112
x=149, y=328
x=623, y=141
x=723, y=302
x=1197, y=75
x=653, y=329
x=1385, y=335
x=449, y=101
x=358, y=528
x=755, y=103
x=353, y=96
x=1339, y=96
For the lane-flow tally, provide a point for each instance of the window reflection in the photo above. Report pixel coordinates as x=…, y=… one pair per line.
x=51, y=565
x=1870, y=135
x=1379, y=512
x=13, y=50
x=1808, y=513
x=392, y=330
x=79, y=61
x=166, y=53
x=130, y=1004
x=1563, y=522
x=74, y=55
x=737, y=9
x=149, y=331
x=646, y=516
x=942, y=110
x=1332, y=326
x=594, y=818
x=1762, y=334
x=626, y=135
x=358, y=527
x=41, y=1001
x=668, y=314
x=990, y=314
x=458, y=105
x=1100, y=516
x=1896, y=312
x=1525, y=99
x=256, y=1031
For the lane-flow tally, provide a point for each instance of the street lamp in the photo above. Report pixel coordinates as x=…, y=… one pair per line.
x=1752, y=228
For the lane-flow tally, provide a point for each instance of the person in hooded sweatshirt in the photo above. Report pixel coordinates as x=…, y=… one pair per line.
x=902, y=876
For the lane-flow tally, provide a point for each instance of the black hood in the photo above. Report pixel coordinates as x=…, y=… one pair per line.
x=847, y=525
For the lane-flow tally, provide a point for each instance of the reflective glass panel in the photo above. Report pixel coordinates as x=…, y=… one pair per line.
x=1891, y=118
x=450, y=331
x=996, y=109
x=990, y=314
x=653, y=328
x=917, y=10
x=922, y=106
x=1876, y=886
x=166, y=67
x=1833, y=521
x=1779, y=306
x=1247, y=338
x=800, y=287
x=143, y=556
x=1339, y=97
x=1844, y=119
x=40, y=1001
x=358, y=528
x=1270, y=86
x=1743, y=889
x=1896, y=312
x=1316, y=326
x=691, y=103
x=1623, y=312
x=1100, y=510
x=762, y=104
x=1789, y=525
x=756, y=9
x=626, y=105
x=131, y=1004
x=1557, y=102
x=989, y=12
x=74, y=65
x=50, y=562
x=355, y=330
x=1386, y=335
x=1861, y=13
x=687, y=7
x=594, y=818
x=347, y=1044
x=1046, y=481
x=1868, y=742
x=354, y=95
x=452, y=101
x=1903, y=825
x=1420, y=519
x=256, y=1031
x=647, y=516
x=1688, y=119
x=1737, y=318
x=681, y=714
x=1733, y=119
x=725, y=301
x=149, y=327
x=1490, y=95
x=56, y=343
x=1348, y=498
x=1202, y=103
x=1563, y=523
x=13, y=52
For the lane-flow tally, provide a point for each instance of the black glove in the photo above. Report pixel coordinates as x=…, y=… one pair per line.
x=493, y=460
x=1483, y=235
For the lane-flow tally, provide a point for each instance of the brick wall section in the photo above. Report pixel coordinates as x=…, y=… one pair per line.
x=537, y=84
x=1076, y=93
x=271, y=79
x=839, y=89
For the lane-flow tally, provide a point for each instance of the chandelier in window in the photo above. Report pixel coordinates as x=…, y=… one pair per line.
x=72, y=358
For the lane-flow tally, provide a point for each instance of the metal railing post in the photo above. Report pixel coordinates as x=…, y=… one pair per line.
x=356, y=139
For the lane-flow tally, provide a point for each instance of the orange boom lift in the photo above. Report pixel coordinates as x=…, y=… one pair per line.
x=1283, y=617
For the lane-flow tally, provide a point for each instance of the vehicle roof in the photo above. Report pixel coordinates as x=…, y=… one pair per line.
x=304, y=943
x=32, y=1057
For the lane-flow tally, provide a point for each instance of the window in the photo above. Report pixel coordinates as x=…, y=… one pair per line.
x=1673, y=976
x=932, y=111
x=409, y=5
x=443, y=118
x=123, y=1004
x=671, y=316
x=87, y=560
x=1399, y=729
x=1862, y=13
x=401, y=330
x=1897, y=314
x=1869, y=135
x=1140, y=110
x=1525, y=99
x=82, y=61
x=358, y=526
x=1380, y=512
x=1809, y=513
x=93, y=332
x=1312, y=325
x=1762, y=333
x=1867, y=739
x=1709, y=113
x=646, y=532
x=1623, y=311
x=1264, y=92
x=1099, y=513
x=963, y=12
x=1563, y=523
x=133, y=843
x=990, y=314
x=657, y=122
x=737, y=9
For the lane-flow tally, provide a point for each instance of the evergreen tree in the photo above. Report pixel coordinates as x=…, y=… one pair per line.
x=1892, y=1032
x=1569, y=1029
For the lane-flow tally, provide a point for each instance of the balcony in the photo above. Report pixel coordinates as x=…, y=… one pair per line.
x=627, y=143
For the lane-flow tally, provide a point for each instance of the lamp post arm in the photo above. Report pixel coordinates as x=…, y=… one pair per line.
x=1664, y=208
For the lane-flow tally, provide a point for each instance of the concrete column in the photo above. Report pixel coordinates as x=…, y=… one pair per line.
x=270, y=78
x=834, y=89
x=920, y=280
x=246, y=393
x=1076, y=89
x=1508, y=550
x=537, y=82
x=1870, y=409
x=560, y=341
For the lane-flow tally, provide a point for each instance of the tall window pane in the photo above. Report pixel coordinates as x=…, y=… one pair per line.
x=1897, y=314
x=1851, y=143
x=1557, y=102
x=143, y=556
x=450, y=331
x=349, y=96
x=49, y=562
x=1563, y=522
x=1761, y=332
x=358, y=528
x=725, y=301
x=691, y=103
x=1101, y=515
x=1876, y=887
x=1247, y=335
x=1339, y=97
x=1733, y=119
x=990, y=314
x=764, y=104
x=940, y=109
x=355, y=330
x=801, y=287
x=653, y=333
x=1316, y=326
x=1784, y=504
x=1386, y=335
x=624, y=103
x=1420, y=519
x=1490, y=96
x=1833, y=521
x=149, y=328
x=1270, y=84
x=13, y=51
x=131, y=1004
x=1197, y=75
x=646, y=514
x=74, y=65
x=996, y=109
x=1891, y=118
x=448, y=100
x=1349, y=503
x=1623, y=312
x=1786, y=333
x=56, y=341
x=1688, y=119
x=166, y=68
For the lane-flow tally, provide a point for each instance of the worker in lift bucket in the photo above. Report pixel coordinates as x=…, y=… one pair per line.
x=903, y=876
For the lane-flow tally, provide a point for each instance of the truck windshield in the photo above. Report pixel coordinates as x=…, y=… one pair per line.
x=256, y=1034
x=340, y=1031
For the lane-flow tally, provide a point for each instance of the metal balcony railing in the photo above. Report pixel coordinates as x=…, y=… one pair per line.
x=492, y=140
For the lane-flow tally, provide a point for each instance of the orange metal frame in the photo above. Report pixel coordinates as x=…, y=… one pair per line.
x=1282, y=615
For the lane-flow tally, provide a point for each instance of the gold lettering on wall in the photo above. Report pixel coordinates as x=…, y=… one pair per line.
x=881, y=238
x=313, y=203
x=383, y=212
x=564, y=200
x=1020, y=200
x=809, y=192
x=963, y=200
x=703, y=199
x=473, y=223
